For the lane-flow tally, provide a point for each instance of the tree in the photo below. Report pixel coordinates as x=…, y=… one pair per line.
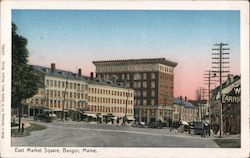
x=23, y=83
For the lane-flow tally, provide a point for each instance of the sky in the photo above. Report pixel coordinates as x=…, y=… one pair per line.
x=74, y=38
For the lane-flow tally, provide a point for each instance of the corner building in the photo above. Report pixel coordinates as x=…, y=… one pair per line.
x=152, y=81
x=64, y=92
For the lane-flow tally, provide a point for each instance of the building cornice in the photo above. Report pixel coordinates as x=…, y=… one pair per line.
x=136, y=61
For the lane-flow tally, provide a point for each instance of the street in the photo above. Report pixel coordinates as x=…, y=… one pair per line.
x=81, y=134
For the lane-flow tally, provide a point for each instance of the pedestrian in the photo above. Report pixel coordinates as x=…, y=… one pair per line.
x=22, y=128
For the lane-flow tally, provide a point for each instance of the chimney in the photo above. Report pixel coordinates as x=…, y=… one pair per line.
x=91, y=75
x=53, y=67
x=79, y=72
x=185, y=98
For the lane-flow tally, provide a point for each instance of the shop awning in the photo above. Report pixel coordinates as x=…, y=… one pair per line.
x=114, y=118
x=161, y=118
x=92, y=115
x=130, y=118
x=184, y=123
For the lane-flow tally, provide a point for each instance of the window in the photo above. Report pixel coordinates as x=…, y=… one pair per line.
x=47, y=82
x=152, y=84
x=36, y=101
x=51, y=93
x=55, y=105
x=51, y=103
x=137, y=76
x=128, y=77
x=123, y=76
x=59, y=83
x=144, y=84
x=144, y=93
x=152, y=93
x=152, y=102
x=144, y=76
x=134, y=84
x=51, y=83
x=152, y=75
x=63, y=84
x=144, y=101
x=55, y=83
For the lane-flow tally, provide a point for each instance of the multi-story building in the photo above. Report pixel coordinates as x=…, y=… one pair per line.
x=111, y=101
x=183, y=110
x=152, y=80
x=68, y=92
x=63, y=91
x=231, y=105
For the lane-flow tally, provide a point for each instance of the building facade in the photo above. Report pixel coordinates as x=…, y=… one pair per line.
x=152, y=81
x=111, y=101
x=75, y=94
x=231, y=106
x=183, y=110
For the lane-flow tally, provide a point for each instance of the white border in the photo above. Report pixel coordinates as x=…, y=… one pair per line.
x=243, y=6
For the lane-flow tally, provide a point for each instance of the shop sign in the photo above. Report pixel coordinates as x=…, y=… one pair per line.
x=232, y=97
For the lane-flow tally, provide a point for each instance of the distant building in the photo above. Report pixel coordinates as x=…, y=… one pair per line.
x=202, y=107
x=152, y=80
x=183, y=110
x=231, y=105
x=69, y=92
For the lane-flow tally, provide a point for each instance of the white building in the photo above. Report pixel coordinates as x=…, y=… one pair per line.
x=71, y=93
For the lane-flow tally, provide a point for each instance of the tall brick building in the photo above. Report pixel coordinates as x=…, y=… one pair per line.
x=152, y=80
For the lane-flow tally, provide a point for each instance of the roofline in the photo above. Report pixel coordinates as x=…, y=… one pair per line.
x=136, y=61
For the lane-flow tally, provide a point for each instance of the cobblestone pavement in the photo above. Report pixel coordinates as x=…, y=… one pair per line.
x=81, y=134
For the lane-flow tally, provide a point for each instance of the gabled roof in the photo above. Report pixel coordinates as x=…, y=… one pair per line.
x=184, y=103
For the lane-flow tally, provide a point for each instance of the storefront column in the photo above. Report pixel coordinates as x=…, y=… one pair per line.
x=28, y=111
x=157, y=111
x=140, y=114
x=148, y=118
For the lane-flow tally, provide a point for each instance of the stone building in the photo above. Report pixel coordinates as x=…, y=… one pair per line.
x=152, y=81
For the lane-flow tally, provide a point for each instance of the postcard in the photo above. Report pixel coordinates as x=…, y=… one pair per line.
x=124, y=79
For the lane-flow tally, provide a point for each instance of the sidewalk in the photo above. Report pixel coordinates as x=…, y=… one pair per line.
x=26, y=123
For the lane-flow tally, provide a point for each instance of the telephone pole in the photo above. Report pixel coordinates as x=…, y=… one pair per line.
x=200, y=93
x=208, y=80
x=220, y=61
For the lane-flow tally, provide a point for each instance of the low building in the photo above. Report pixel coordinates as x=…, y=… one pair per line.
x=183, y=110
x=231, y=106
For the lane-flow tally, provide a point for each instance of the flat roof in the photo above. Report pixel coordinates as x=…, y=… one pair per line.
x=136, y=61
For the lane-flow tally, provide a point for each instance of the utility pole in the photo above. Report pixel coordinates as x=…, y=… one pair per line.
x=200, y=93
x=220, y=62
x=209, y=81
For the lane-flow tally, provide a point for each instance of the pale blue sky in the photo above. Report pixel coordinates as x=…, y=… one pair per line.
x=74, y=38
